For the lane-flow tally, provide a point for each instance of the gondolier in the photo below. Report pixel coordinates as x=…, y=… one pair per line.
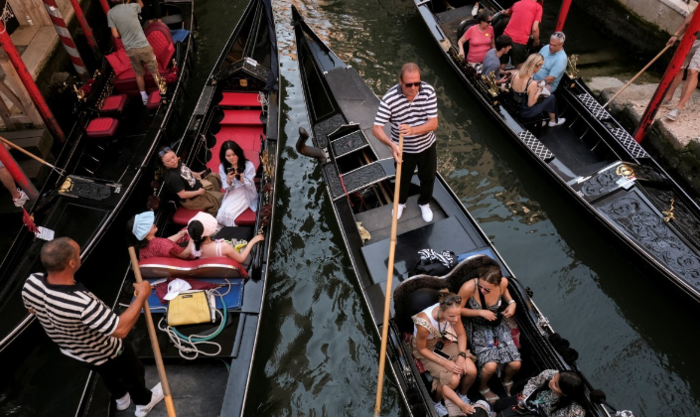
x=85, y=329
x=411, y=107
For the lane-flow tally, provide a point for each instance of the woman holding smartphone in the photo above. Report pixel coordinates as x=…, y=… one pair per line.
x=238, y=176
x=440, y=343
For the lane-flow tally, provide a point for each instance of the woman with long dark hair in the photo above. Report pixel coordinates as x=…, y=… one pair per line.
x=556, y=393
x=238, y=175
x=201, y=227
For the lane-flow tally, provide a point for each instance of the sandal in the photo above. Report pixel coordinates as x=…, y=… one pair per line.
x=507, y=386
x=491, y=399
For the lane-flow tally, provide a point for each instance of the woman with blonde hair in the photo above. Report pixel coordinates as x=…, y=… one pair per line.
x=527, y=92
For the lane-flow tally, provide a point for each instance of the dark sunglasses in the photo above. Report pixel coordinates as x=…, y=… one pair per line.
x=490, y=22
x=163, y=152
x=451, y=300
x=486, y=290
x=409, y=85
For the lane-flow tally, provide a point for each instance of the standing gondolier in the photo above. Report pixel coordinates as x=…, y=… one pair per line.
x=85, y=329
x=411, y=107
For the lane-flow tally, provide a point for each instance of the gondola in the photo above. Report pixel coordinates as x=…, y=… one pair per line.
x=591, y=158
x=358, y=172
x=104, y=160
x=239, y=102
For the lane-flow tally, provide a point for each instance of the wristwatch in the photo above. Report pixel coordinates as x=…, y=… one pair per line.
x=463, y=354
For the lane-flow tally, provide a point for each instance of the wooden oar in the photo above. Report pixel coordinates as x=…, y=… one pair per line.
x=154, y=340
x=31, y=155
x=389, y=277
x=637, y=76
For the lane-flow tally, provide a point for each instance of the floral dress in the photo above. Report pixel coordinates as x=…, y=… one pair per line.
x=547, y=399
x=503, y=350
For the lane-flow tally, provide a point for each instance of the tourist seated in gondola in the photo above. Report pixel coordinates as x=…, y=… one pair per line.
x=201, y=227
x=238, y=176
x=555, y=393
x=141, y=234
x=194, y=191
x=485, y=302
x=480, y=38
x=555, y=62
x=533, y=99
x=440, y=343
x=492, y=60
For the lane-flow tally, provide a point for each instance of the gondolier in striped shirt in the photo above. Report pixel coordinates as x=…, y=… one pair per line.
x=411, y=108
x=85, y=329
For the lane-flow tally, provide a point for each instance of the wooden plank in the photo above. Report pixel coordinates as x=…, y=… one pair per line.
x=34, y=9
x=15, y=83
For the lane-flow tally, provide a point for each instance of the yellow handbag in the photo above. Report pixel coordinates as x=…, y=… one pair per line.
x=189, y=308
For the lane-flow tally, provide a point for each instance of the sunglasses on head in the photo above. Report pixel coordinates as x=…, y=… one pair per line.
x=409, y=85
x=451, y=300
x=163, y=152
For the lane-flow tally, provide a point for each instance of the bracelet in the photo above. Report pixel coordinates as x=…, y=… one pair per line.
x=463, y=354
x=511, y=302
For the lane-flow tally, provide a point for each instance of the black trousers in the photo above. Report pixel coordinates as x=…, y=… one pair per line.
x=426, y=162
x=123, y=374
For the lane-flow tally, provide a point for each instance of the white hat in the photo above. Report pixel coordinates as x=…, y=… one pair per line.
x=175, y=287
x=208, y=222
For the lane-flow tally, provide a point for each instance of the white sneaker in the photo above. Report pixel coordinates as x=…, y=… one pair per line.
x=426, y=212
x=124, y=402
x=143, y=410
x=400, y=211
x=560, y=121
x=19, y=201
x=673, y=114
x=441, y=409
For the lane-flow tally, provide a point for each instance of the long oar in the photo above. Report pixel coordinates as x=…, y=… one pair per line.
x=154, y=340
x=31, y=155
x=637, y=76
x=389, y=277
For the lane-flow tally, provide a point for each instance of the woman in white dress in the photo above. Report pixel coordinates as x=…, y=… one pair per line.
x=238, y=175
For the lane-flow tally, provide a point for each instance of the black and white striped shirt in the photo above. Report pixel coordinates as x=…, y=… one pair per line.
x=74, y=318
x=395, y=108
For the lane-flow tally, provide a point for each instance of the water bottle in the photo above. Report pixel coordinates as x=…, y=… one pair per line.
x=489, y=337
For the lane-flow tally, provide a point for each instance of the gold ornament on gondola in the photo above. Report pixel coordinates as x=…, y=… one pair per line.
x=490, y=80
x=668, y=214
x=571, y=68
x=624, y=171
x=67, y=186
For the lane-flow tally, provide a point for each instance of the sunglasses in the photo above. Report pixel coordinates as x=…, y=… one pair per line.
x=451, y=300
x=486, y=290
x=409, y=85
x=163, y=152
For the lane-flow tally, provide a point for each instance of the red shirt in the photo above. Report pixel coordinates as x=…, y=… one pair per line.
x=525, y=13
x=479, y=43
x=160, y=247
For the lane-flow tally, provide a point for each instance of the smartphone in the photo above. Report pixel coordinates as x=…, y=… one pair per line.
x=206, y=172
x=229, y=169
x=441, y=353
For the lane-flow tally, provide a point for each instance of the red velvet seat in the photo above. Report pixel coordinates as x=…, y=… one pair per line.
x=153, y=100
x=236, y=99
x=247, y=218
x=241, y=118
x=214, y=267
x=102, y=127
x=183, y=215
x=114, y=104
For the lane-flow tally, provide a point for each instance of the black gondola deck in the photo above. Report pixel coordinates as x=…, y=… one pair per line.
x=359, y=178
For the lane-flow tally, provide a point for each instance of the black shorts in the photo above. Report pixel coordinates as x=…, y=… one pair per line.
x=518, y=54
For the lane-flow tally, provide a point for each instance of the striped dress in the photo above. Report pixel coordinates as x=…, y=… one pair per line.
x=77, y=321
x=395, y=108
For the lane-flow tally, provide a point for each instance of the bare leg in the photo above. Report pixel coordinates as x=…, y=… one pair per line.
x=689, y=87
x=468, y=378
x=509, y=371
x=552, y=117
x=448, y=391
x=486, y=373
x=674, y=85
x=9, y=182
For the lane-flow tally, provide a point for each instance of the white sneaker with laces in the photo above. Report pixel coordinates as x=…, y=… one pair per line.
x=124, y=402
x=23, y=198
x=441, y=409
x=560, y=121
x=157, y=396
x=399, y=210
x=673, y=114
x=426, y=212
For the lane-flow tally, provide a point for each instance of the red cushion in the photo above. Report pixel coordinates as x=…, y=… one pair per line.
x=214, y=267
x=162, y=49
x=120, y=62
x=232, y=99
x=153, y=100
x=183, y=215
x=241, y=117
x=126, y=82
x=114, y=104
x=102, y=127
x=247, y=218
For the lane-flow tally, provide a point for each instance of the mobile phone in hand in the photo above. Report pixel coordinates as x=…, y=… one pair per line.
x=206, y=172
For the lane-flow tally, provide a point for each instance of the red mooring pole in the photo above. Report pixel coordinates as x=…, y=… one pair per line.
x=563, y=12
x=86, y=27
x=43, y=108
x=17, y=174
x=671, y=72
x=105, y=6
x=66, y=38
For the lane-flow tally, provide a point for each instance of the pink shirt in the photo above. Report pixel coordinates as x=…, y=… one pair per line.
x=525, y=13
x=479, y=42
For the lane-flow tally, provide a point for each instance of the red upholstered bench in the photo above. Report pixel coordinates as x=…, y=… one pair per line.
x=183, y=215
x=247, y=218
x=102, y=127
x=114, y=104
x=153, y=100
x=214, y=267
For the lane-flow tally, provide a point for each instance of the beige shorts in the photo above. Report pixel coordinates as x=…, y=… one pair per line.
x=692, y=61
x=140, y=57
